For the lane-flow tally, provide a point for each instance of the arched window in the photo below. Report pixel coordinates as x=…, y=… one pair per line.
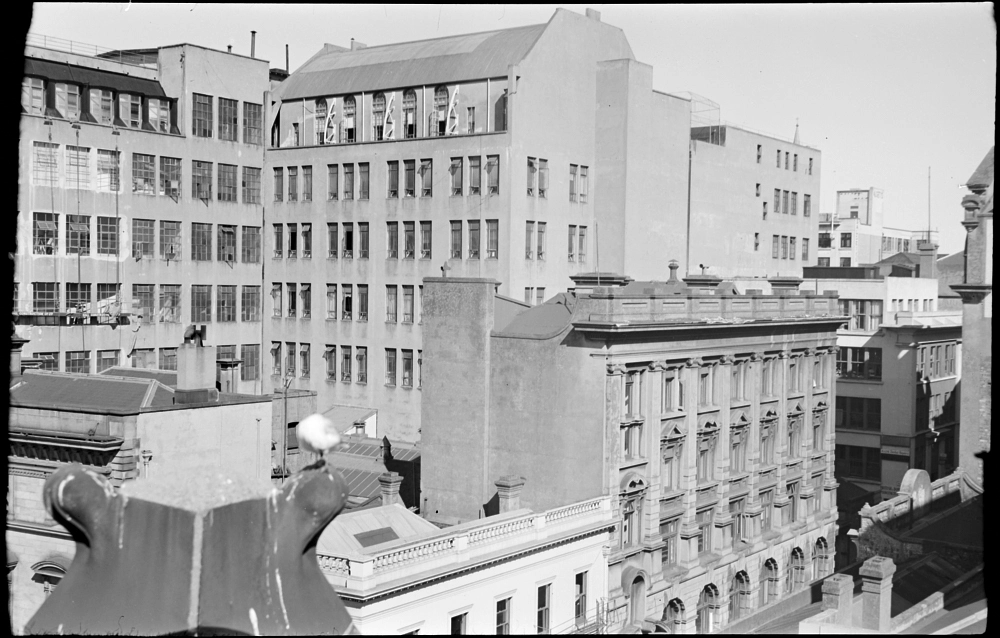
x=821, y=558
x=48, y=573
x=673, y=615
x=798, y=570
x=439, y=118
x=320, y=121
x=410, y=113
x=637, y=600
x=739, y=596
x=632, y=490
x=769, y=582
x=708, y=610
x=378, y=116
x=347, y=126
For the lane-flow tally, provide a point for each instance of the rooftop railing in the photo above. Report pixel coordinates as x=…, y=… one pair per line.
x=90, y=50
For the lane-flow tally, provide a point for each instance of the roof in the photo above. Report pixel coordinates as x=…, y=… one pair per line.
x=166, y=377
x=345, y=416
x=899, y=259
x=451, y=59
x=983, y=175
x=544, y=321
x=340, y=536
x=93, y=77
x=361, y=463
x=88, y=393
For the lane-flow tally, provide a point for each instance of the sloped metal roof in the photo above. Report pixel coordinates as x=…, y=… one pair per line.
x=983, y=175
x=88, y=393
x=340, y=536
x=166, y=377
x=422, y=63
x=56, y=72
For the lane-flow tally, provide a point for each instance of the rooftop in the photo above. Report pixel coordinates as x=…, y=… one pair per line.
x=982, y=177
x=166, y=377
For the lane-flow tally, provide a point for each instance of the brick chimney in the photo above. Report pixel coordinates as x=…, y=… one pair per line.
x=196, y=370
x=876, y=596
x=509, y=491
x=389, y=483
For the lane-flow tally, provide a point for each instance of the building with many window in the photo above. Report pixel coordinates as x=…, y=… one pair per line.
x=139, y=206
x=705, y=414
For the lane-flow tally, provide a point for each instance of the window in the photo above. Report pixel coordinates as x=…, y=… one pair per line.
x=253, y=118
x=704, y=521
x=108, y=177
x=475, y=175
x=78, y=361
x=739, y=596
x=582, y=252
x=293, y=184
x=426, y=178
x=363, y=245
x=529, y=240
x=363, y=177
x=345, y=363
x=492, y=238
x=705, y=387
x=77, y=234
x=33, y=96
x=295, y=134
x=805, y=249
x=225, y=303
x=860, y=363
x=77, y=167
x=795, y=203
x=631, y=521
x=539, y=296
x=845, y=262
x=348, y=130
x=455, y=169
x=859, y=462
x=767, y=429
x=279, y=184
x=142, y=301
x=544, y=602
x=532, y=176
x=331, y=301
x=706, y=455
x=786, y=160
x=425, y=240
x=631, y=441
x=407, y=304
x=458, y=623
x=792, y=252
x=251, y=185
x=795, y=162
x=279, y=240
x=347, y=302
x=77, y=296
x=362, y=357
x=330, y=355
x=572, y=182
x=170, y=303
x=856, y=413
x=290, y=370
x=226, y=250
x=250, y=370
x=276, y=300
x=456, y=240
x=775, y=244
x=580, y=598
x=362, y=302
x=304, y=360
x=668, y=532
x=229, y=119
x=107, y=236
x=741, y=523
x=390, y=366
x=845, y=240
x=201, y=304
x=392, y=179
x=784, y=247
x=170, y=177
x=584, y=185
x=106, y=359
x=201, y=242
x=821, y=558
x=810, y=166
x=824, y=240
x=407, y=368
x=201, y=180
x=806, y=205
x=437, y=124
x=493, y=173
x=201, y=116
x=409, y=167
x=410, y=114
x=784, y=202
x=332, y=188
x=227, y=183
x=632, y=400
x=738, y=448
x=333, y=242
x=473, y=239
x=348, y=182
x=767, y=507
x=863, y=314
x=45, y=168
x=390, y=304
x=798, y=569
x=276, y=358
x=392, y=239
x=503, y=616
x=251, y=303
x=293, y=241
x=378, y=117
x=251, y=245
x=794, y=432
x=571, y=250
x=409, y=240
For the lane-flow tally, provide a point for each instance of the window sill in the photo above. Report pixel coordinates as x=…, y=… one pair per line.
x=631, y=462
x=673, y=414
x=740, y=403
x=862, y=381
x=632, y=419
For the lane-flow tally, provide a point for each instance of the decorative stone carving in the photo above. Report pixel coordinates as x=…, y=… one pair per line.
x=727, y=360
x=756, y=356
x=695, y=362
x=616, y=368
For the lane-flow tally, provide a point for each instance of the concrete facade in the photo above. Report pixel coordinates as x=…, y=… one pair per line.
x=582, y=398
x=135, y=325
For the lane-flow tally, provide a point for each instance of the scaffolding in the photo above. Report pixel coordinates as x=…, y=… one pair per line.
x=706, y=124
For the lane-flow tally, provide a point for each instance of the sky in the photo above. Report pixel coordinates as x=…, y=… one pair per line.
x=886, y=92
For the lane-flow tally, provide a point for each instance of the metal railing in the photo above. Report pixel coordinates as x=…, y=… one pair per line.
x=90, y=50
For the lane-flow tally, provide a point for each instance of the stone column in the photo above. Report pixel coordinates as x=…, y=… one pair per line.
x=509, y=490
x=877, y=593
x=838, y=593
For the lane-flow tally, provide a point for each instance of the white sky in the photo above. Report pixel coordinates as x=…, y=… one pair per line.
x=884, y=91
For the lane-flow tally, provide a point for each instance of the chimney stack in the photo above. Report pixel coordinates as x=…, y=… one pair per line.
x=229, y=48
x=253, y=43
x=876, y=594
x=286, y=58
x=389, y=483
x=594, y=14
x=509, y=490
x=16, y=343
x=838, y=593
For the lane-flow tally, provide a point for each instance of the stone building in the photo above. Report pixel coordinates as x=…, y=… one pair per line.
x=703, y=413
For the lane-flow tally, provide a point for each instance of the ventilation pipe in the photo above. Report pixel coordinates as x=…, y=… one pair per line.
x=253, y=43
x=286, y=58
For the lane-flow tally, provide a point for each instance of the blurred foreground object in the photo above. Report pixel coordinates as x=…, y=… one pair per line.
x=204, y=554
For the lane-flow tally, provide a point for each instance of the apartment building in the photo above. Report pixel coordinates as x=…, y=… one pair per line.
x=706, y=415
x=139, y=205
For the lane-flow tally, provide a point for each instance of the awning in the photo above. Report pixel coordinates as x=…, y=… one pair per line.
x=55, y=72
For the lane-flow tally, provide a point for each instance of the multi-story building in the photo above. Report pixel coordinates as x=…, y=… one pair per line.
x=977, y=323
x=139, y=205
x=762, y=189
x=526, y=155
x=855, y=234
x=706, y=415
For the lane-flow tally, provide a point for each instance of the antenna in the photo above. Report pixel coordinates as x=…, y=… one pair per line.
x=928, y=204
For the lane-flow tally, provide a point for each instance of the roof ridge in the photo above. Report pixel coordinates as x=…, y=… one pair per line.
x=443, y=37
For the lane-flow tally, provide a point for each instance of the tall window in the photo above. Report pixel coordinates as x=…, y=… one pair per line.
x=201, y=116
x=584, y=187
x=44, y=171
x=845, y=240
x=45, y=296
x=77, y=167
x=201, y=180
x=409, y=240
x=77, y=296
x=170, y=176
x=456, y=240
x=798, y=571
x=493, y=173
x=347, y=302
x=226, y=303
x=775, y=245
x=279, y=184
x=473, y=239
x=532, y=176
x=251, y=185
x=33, y=96
x=279, y=240
x=769, y=583
x=331, y=301
x=293, y=183
x=407, y=304
x=581, y=254
x=362, y=357
x=794, y=432
x=251, y=245
x=792, y=490
x=143, y=300
x=290, y=360
x=362, y=302
x=707, y=438
x=378, y=116
x=573, y=169
x=425, y=240
x=201, y=242
x=391, y=304
x=201, y=304
x=363, y=180
x=426, y=178
x=250, y=370
x=349, y=181
x=108, y=178
x=805, y=249
x=767, y=507
x=227, y=183
x=571, y=250
x=410, y=113
x=438, y=120
x=407, y=368
x=455, y=170
x=159, y=114
x=333, y=241
x=580, y=598
x=305, y=291
x=226, y=250
x=347, y=125
x=251, y=303
x=544, y=600
x=307, y=183
x=492, y=238
x=229, y=119
x=332, y=186
x=475, y=175
x=345, y=363
x=703, y=519
x=632, y=402
x=170, y=303
x=738, y=448
x=707, y=619
x=739, y=596
x=392, y=239
x=390, y=366
x=276, y=358
x=503, y=616
x=78, y=234
x=253, y=118
x=409, y=167
x=107, y=236
x=529, y=240
x=767, y=432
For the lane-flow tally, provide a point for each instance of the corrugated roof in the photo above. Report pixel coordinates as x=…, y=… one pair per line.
x=541, y=322
x=93, y=77
x=91, y=393
x=422, y=63
x=983, y=175
x=339, y=537
x=166, y=377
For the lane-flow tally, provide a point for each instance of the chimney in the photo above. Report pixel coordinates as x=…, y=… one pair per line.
x=229, y=48
x=673, y=266
x=838, y=593
x=386, y=449
x=253, y=43
x=594, y=14
x=876, y=594
x=509, y=491
x=389, y=483
x=286, y=58
x=927, y=260
x=355, y=45
x=196, y=372
x=16, y=343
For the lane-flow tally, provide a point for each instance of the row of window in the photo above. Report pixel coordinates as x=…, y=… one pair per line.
x=826, y=240
x=913, y=305
x=459, y=624
x=79, y=361
x=895, y=245
x=824, y=262
x=202, y=119
x=297, y=302
x=783, y=247
x=863, y=314
x=936, y=361
x=538, y=180
x=101, y=106
x=939, y=409
x=794, y=164
x=786, y=202
x=859, y=462
x=229, y=183
x=352, y=360
x=45, y=234
x=860, y=364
